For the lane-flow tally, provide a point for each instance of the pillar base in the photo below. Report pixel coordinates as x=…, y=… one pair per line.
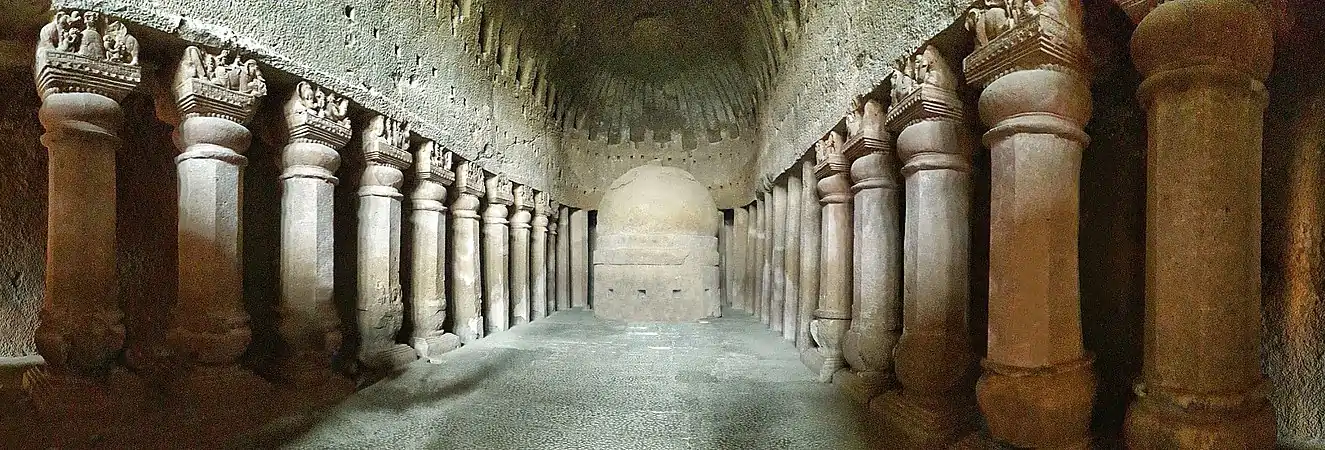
x=1237, y=421
x=862, y=386
x=432, y=348
x=823, y=362
x=66, y=399
x=391, y=359
x=212, y=386
x=1045, y=407
x=917, y=422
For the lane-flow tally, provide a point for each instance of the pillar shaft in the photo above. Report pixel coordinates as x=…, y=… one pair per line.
x=752, y=260
x=538, y=260
x=764, y=302
x=496, y=255
x=792, y=256
x=1037, y=389
x=736, y=262
x=833, y=315
x=381, y=309
x=563, y=258
x=811, y=214
x=778, y=257
x=428, y=258
x=521, y=216
x=1201, y=384
x=579, y=255
x=466, y=274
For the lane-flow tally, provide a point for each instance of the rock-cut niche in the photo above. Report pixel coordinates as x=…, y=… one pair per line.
x=656, y=258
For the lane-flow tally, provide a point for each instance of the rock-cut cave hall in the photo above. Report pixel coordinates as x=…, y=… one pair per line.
x=662, y=224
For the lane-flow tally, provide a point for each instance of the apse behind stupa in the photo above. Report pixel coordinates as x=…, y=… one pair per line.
x=657, y=248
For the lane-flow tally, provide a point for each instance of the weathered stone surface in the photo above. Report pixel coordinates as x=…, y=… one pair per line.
x=657, y=250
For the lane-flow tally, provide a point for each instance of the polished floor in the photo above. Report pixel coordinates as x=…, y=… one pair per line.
x=572, y=381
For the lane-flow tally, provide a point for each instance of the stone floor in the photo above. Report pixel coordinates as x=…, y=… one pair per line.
x=572, y=381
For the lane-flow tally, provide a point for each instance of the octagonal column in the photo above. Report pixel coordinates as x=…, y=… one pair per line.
x=876, y=306
x=563, y=258
x=832, y=319
x=209, y=326
x=792, y=256
x=496, y=254
x=432, y=170
x=308, y=323
x=778, y=257
x=736, y=262
x=466, y=275
x=764, y=302
x=553, y=260
x=579, y=257
x=538, y=262
x=933, y=358
x=752, y=260
x=381, y=311
x=1037, y=389
x=811, y=214
x=1201, y=384
x=522, y=214
x=81, y=331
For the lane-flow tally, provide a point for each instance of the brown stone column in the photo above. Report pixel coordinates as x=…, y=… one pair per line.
x=756, y=261
x=563, y=258
x=579, y=255
x=933, y=358
x=432, y=170
x=1037, y=389
x=522, y=213
x=209, y=327
x=792, y=257
x=309, y=325
x=765, y=300
x=466, y=272
x=81, y=331
x=1201, y=385
x=496, y=254
x=538, y=261
x=553, y=256
x=832, y=319
x=381, y=310
x=736, y=260
x=811, y=214
x=876, y=308
x=778, y=257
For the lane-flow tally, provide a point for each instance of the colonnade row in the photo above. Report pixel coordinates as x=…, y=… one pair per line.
x=861, y=255
x=486, y=252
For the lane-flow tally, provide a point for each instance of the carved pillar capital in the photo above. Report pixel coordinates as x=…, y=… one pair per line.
x=928, y=115
x=1237, y=57
x=543, y=205
x=500, y=190
x=384, y=150
x=318, y=127
x=1026, y=37
x=833, y=170
x=432, y=168
x=85, y=51
x=522, y=207
x=217, y=84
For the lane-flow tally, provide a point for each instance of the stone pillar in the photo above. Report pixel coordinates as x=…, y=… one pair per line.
x=466, y=271
x=1037, y=389
x=563, y=258
x=876, y=309
x=579, y=255
x=749, y=286
x=757, y=254
x=538, y=261
x=832, y=319
x=724, y=259
x=1201, y=384
x=496, y=254
x=778, y=257
x=737, y=261
x=811, y=214
x=553, y=255
x=432, y=169
x=933, y=358
x=764, y=302
x=381, y=310
x=309, y=324
x=521, y=215
x=80, y=334
x=209, y=328
x=792, y=257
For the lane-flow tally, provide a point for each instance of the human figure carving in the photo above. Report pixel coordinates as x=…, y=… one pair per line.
x=90, y=44
x=120, y=46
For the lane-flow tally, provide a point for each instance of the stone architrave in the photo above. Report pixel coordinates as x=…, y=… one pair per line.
x=1037, y=389
x=579, y=257
x=209, y=326
x=778, y=257
x=496, y=254
x=466, y=273
x=736, y=262
x=81, y=85
x=811, y=214
x=432, y=170
x=876, y=308
x=381, y=310
x=1201, y=384
x=832, y=318
x=538, y=260
x=933, y=359
x=318, y=127
x=522, y=214
x=792, y=256
x=563, y=258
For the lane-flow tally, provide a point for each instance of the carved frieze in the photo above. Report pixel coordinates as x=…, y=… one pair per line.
x=385, y=141
x=469, y=178
x=1023, y=35
x=830, y=157
x=80, y=51
x=924, y=87
x=523, y=198
x=500, y=190
x=317, y=115
x=218, y=84
x=434, y=164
